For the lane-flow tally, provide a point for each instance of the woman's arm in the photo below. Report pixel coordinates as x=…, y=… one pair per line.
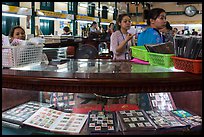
x=121, y=47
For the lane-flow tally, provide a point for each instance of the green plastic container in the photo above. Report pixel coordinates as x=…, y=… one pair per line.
x=163, y=60
x=140, y=52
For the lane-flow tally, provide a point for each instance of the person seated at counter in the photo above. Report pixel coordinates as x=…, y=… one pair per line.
x=17, y=32
x=67, y=31
x=94, y=31
x=94, y=27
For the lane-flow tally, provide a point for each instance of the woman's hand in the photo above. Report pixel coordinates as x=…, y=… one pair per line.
x=129, y=36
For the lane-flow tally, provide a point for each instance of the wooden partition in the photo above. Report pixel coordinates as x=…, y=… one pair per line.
x=14, y=97
x=191, y=101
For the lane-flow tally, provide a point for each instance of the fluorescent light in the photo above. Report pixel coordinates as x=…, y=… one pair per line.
x=49, y=18
x=63, y=19
x=13, y=15
x=104, y=23
x=83, y=5
x=194, y=25
x=178, y=24
x=111, y=11
x=84, y=21
x=98, y=9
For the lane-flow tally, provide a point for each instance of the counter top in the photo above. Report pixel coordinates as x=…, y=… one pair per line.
x=101, y=76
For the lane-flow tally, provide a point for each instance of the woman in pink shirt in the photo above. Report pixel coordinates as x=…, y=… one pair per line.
x=121, y=40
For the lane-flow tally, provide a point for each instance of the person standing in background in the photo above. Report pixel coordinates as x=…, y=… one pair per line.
x=121, y=40
x=175, y=31
x=94, y=27
x=156, y=21
x=194, y=32
x=94, y=32
x=167, y=32
x=67, y=31
x=187, y=32
x=110, y=29
x=182, y=32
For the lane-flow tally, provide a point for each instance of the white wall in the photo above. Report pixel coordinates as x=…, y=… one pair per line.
x=110, y=16
x=23, y=20
x=82, y=10
x=60, y=6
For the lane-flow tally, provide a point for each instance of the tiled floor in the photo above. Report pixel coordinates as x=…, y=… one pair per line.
x=131, y=99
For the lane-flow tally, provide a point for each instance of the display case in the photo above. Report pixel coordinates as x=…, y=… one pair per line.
x=99, y=76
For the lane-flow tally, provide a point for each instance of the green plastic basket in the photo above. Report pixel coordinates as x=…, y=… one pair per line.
x=136, y=68
x=163, y=60
x=140, y=52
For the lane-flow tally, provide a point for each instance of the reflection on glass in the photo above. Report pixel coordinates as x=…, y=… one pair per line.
x=98, y=66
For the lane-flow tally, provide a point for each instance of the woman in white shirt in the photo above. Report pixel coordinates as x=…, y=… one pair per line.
x=121, y=40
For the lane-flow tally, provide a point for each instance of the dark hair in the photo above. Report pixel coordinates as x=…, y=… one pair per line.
x=119, y=19
x=110, y=24
x=168, y=26
x=13, y=29
x=93, y=23
x=66, y=29
x=176, y=29
x=154, y=13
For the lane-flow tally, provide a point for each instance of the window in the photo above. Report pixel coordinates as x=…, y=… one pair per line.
x=70, y=7
x=104, y=12
x=91, y=9
x=115, y=14
x=11, y=3
x=47, y=27
x=8, y=23
x=47, y=6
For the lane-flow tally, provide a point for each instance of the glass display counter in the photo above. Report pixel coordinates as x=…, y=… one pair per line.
x=99, y=76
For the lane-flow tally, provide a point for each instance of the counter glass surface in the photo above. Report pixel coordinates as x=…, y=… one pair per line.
x=98, y=66
x=101, y=76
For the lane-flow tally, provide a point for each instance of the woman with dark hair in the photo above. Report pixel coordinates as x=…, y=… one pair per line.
x=94, y=31
x=156, y=20
x=121, y=40
x=109, y=31
x=94, y=27
x=17, y=32
x=110, y=28
x=67, y=31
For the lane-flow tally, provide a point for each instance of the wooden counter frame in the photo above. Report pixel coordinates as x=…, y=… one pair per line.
x=111, y=83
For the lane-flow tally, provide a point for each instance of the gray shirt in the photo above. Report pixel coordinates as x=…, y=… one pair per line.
x=92, y=29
